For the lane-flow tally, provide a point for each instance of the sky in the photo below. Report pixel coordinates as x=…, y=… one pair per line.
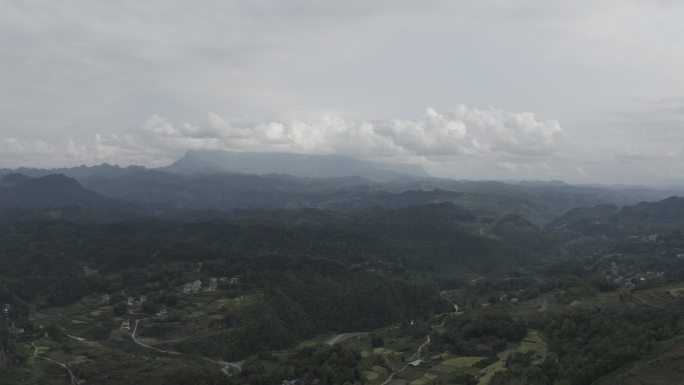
x=588, y=91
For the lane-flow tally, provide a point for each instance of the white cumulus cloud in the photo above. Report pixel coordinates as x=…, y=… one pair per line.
x=461, y=131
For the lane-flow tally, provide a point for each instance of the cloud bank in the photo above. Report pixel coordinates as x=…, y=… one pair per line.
x=461, y=131
x=609, y=70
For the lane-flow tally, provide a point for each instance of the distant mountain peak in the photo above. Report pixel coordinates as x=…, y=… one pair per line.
x=14, y=178
x=301, y=165
x=56, y=196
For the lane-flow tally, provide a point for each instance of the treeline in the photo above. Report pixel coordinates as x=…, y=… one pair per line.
x=421, y=237
x=586, y=346
x=481, y=333
x=325, y=365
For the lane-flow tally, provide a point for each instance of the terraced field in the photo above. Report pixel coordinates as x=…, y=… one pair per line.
x=533, y=342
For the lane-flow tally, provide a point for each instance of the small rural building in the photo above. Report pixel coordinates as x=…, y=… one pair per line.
x=192, y=287
x=416, y=363
x=162, y=312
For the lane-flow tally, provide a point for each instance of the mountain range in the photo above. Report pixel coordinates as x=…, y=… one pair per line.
x=301, y=165
x=217, y=184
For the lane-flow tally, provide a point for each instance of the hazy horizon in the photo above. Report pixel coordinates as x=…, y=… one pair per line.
x=588, y=92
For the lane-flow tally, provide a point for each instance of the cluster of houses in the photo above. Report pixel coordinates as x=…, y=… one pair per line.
x=505, y=299
x=194, y=287
x=135, y=303
x=645, y=238
x=630, y=282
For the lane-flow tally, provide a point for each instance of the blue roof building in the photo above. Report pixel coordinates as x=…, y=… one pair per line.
x=416, y=362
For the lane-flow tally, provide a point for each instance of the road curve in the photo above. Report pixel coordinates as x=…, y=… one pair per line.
x=135, y=339
x=426, y=343
x=71, y=374
x=224, y=365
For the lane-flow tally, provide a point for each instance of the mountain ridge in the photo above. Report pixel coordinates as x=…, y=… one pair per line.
x=301, y=165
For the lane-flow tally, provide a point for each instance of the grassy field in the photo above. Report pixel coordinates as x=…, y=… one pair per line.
x=455, y=364
x=533, y=342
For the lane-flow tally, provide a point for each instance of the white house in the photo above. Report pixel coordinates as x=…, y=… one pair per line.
x=192, y=287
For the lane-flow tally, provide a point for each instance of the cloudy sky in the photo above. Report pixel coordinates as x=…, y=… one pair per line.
x=585, y=91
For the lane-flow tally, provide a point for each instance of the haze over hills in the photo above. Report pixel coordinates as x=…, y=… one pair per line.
x=301, y=165
x=56, y=196
x=215, y=183
x=360, y=250
x=205, y=162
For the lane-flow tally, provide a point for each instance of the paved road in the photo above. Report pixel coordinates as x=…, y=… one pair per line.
x=135, y=339
x=71, y=374
x=444, y=297
x=224, y=365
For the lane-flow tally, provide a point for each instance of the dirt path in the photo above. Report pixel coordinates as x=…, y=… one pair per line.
x=426, y=343
x=339, y=338
x=79, y=339
x=71, y=374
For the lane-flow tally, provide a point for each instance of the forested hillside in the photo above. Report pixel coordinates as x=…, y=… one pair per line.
x=255, y=279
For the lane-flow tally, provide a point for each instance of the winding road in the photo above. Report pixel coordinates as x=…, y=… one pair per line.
x=74, y=381
x=135, y=339
x=444, y=297
x=426, y=343
x=237, y=366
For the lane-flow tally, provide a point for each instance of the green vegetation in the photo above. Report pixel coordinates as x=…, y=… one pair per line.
x=416, y=287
